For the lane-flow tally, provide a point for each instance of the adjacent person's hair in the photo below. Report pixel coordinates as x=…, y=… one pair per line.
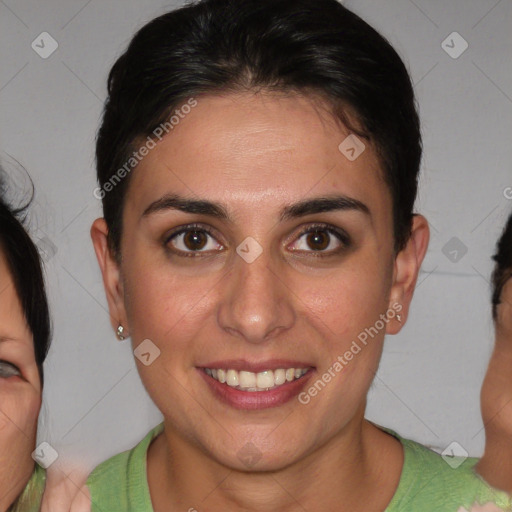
x=503, y=267
x=314, y=47
x=24, y=263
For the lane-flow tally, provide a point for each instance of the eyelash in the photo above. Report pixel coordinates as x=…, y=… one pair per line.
x=185, y=229
x=11, y=366
x=339, y=234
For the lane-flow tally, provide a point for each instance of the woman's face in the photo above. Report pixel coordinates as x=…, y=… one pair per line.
x=20, y=392
x=252, y=246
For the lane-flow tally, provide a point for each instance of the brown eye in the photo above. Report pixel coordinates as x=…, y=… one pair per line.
x=190, y=240
x=318, y=240
x=321, y=239
x=195, y=240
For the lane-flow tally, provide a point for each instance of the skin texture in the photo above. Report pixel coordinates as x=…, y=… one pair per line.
x=496, y=400
x=255, y=154
x=20, y=394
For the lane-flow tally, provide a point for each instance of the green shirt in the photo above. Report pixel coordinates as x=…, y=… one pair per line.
x=30, y=499
x=427, y=482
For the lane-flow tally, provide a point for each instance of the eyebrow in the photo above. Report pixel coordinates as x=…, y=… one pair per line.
x=322, y=205
x=173, y=202
x=216, y=210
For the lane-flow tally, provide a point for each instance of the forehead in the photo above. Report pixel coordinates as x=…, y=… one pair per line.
x=12, y=318
x=257, y=148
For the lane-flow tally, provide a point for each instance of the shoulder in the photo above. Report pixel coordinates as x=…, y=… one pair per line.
x=430, y=481
x=120, y=483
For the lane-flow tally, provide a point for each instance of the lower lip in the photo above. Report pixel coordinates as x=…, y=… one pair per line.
x=253, y=400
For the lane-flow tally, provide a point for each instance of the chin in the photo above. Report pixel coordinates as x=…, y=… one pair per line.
x=256, y=453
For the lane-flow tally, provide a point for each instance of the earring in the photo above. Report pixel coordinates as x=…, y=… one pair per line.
x=120, y=333
x=399, y=318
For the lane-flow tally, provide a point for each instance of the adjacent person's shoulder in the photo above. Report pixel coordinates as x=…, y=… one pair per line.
x=120, y=483
x=430, y=482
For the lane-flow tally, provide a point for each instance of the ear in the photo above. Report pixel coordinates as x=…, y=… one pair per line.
x=407, y=266
x=111, y=273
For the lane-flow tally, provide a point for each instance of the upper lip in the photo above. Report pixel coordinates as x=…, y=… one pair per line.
x=255, y=367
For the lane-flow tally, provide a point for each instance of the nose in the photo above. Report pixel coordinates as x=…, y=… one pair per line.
x=256, y=303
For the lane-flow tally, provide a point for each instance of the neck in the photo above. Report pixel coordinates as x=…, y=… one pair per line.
x=358, y=469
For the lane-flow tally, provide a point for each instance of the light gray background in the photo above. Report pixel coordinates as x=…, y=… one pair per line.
x=429, y=381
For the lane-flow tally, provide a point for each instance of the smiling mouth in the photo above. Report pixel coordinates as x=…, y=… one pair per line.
x=266, y=380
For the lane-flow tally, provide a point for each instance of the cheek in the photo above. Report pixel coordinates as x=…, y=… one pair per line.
x=346, y=303
x=19, y=410
x=159, y=303
x=171, y=311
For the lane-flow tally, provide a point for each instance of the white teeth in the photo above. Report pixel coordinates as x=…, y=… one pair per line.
x=279, y=377
x=265, y=379
x=249, y=381
x=232, y=378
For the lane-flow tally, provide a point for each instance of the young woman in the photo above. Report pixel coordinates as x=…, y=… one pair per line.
x=24, y=343
x=258, y=164
x=496, y=464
